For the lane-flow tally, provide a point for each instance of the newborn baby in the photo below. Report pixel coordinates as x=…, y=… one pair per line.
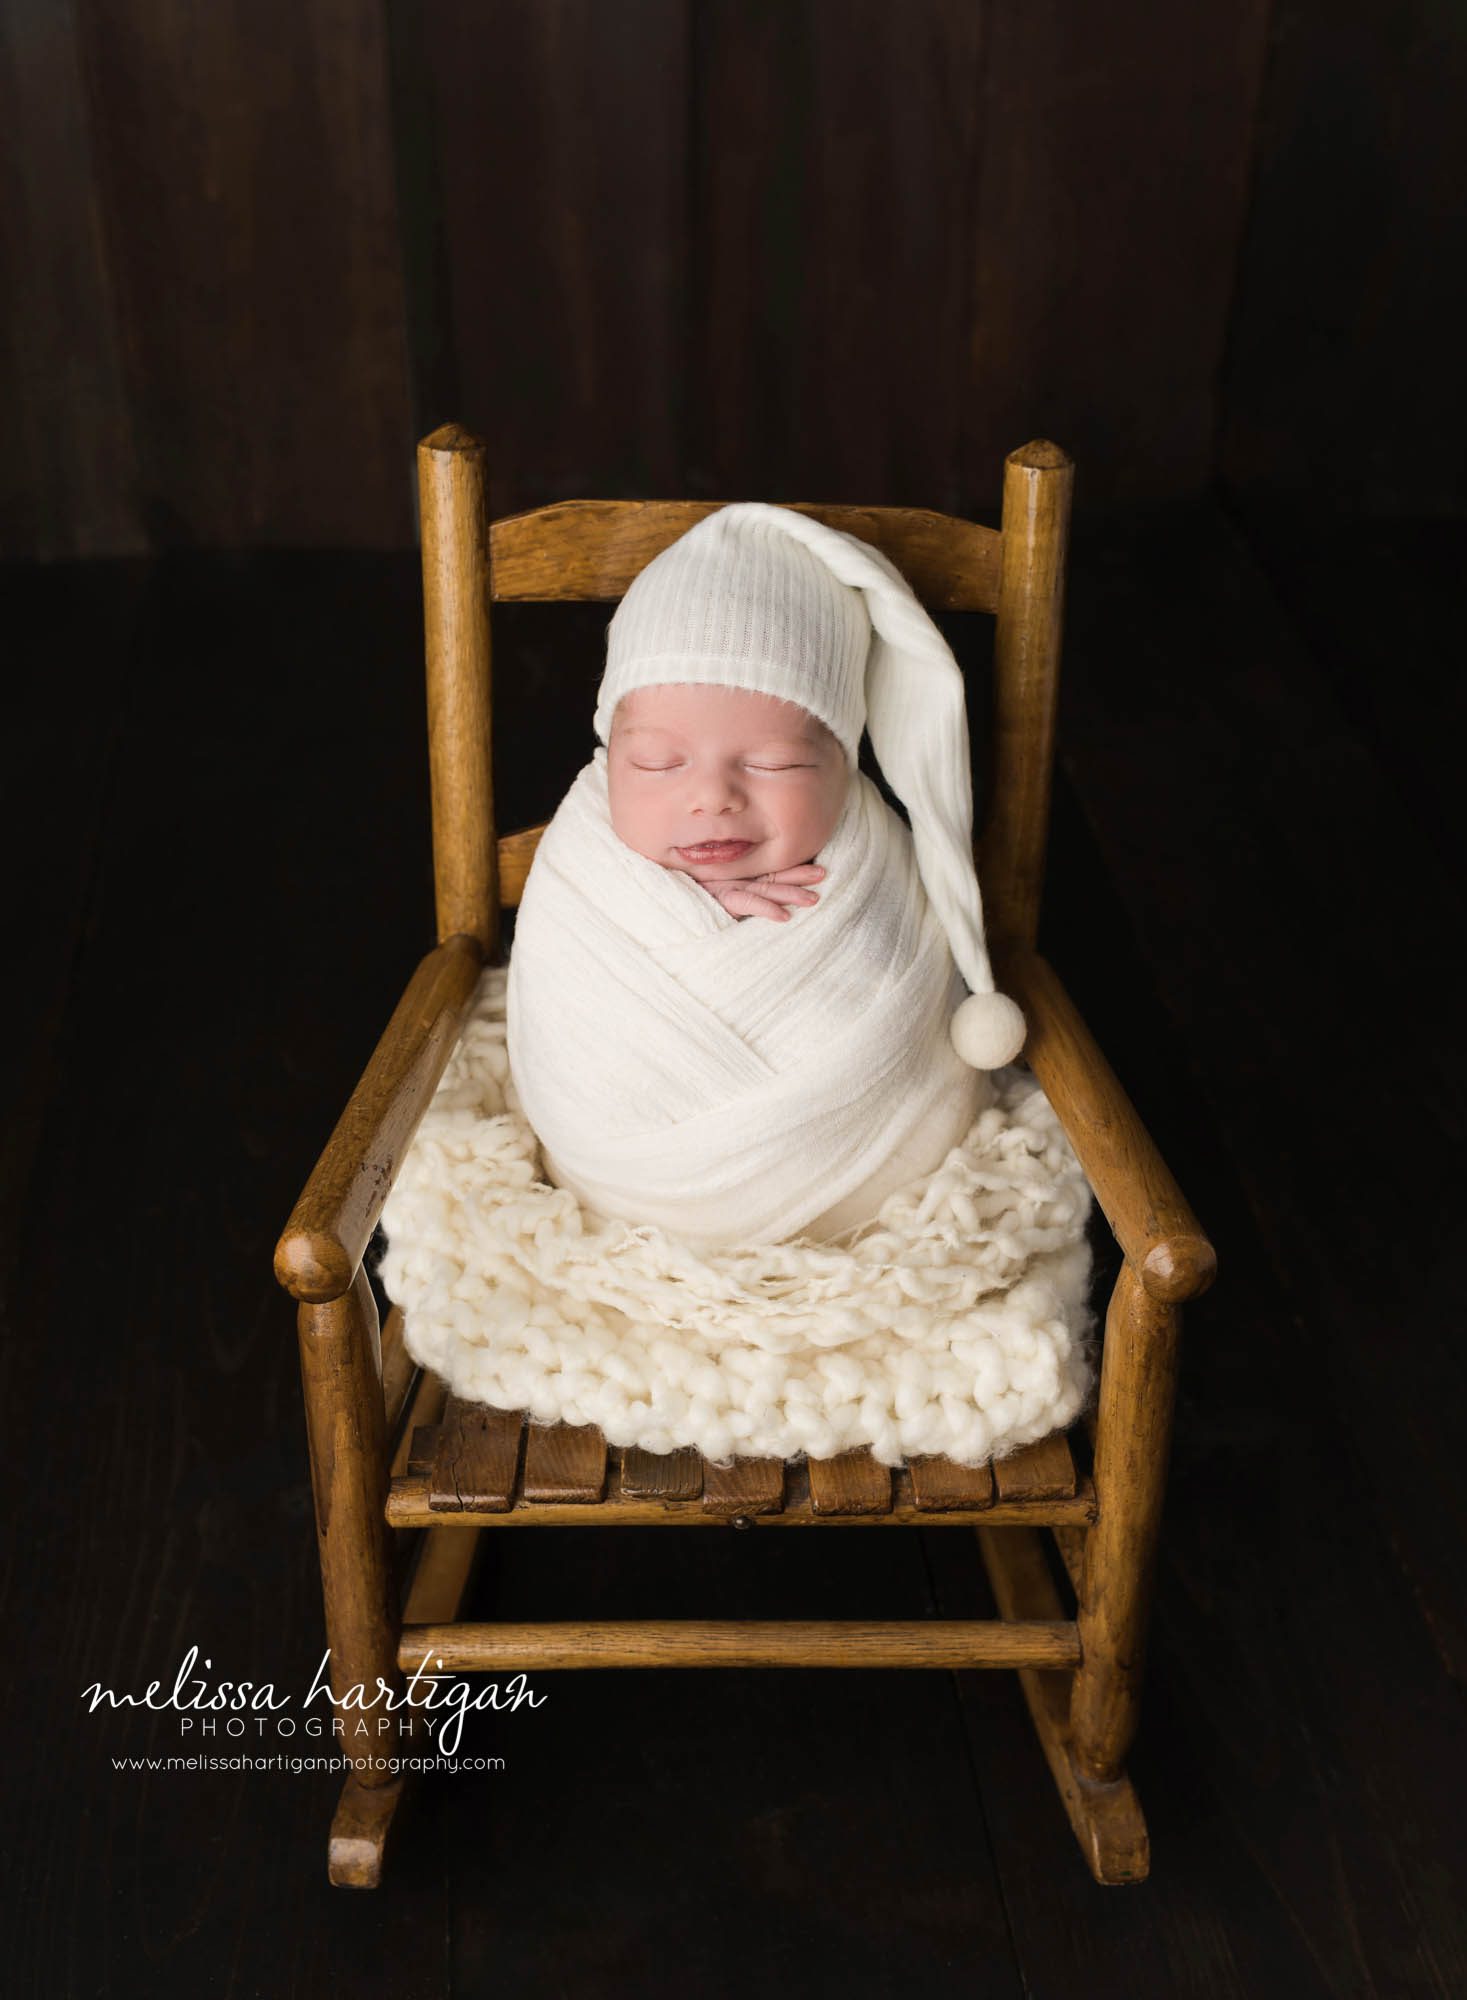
x=741, y=790
x=736, y=1004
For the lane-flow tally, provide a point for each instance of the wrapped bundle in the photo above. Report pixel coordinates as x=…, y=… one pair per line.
x=732, y=1081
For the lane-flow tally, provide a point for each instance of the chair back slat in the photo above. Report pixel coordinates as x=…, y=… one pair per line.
x=588, y=551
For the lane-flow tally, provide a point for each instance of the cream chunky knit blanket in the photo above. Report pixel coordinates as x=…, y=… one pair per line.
x=956, y=1323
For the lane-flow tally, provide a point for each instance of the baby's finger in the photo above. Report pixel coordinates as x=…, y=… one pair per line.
x=788, y=892
x=803, y=871
x=745, y=902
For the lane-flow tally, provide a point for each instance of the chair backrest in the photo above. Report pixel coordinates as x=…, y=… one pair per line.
x=590, y=550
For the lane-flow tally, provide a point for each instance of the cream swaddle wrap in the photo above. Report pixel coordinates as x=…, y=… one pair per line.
x=728, y=1079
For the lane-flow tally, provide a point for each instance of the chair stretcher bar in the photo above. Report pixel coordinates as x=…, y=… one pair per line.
x=708, y=1642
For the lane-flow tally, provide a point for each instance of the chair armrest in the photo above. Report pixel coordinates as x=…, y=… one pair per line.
x=331, y=1225
x=1147, y=1212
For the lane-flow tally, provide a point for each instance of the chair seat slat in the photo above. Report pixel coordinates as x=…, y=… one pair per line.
x=673, y=1475
x=1041, y=1471
x=853, y=1482
x=939, y=1485
x=475, y=1454
x=564, y=1462
x=745, y=1486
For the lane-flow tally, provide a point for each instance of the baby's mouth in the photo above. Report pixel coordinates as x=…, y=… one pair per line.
x=716, y=850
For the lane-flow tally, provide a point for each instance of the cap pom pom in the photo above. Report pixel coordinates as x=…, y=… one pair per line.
x=988, y=1030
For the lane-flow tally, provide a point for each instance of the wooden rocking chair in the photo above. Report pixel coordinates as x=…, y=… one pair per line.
x=405, y=1476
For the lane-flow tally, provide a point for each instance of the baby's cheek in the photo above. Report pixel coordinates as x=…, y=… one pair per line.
x=824, y=817
x=634, y=824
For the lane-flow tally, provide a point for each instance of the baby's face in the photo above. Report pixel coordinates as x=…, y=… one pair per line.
x=689, y=764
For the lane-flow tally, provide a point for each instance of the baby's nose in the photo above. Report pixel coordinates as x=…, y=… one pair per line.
x=715, y=789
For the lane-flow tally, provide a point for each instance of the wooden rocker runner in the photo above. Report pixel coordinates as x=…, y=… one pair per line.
x=405, y=1476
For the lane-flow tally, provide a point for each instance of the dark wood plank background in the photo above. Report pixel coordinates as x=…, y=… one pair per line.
x=799, y=249
x=835, y=249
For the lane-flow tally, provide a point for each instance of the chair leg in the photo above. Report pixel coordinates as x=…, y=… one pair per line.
x=341, y=1370
x=1132, y=1448
x=359, y=1829
x=445, y=1560
x=1106, y=1818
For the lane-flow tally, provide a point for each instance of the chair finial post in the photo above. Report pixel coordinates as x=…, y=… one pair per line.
x=1038, y=482
x=456, y=589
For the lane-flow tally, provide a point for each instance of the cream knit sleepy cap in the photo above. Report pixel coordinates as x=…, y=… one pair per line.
x=758, y=596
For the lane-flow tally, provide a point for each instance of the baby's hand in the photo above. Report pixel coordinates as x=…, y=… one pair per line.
x=766, y=895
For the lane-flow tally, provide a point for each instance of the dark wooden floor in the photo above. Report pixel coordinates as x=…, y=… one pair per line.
x=220, y=856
